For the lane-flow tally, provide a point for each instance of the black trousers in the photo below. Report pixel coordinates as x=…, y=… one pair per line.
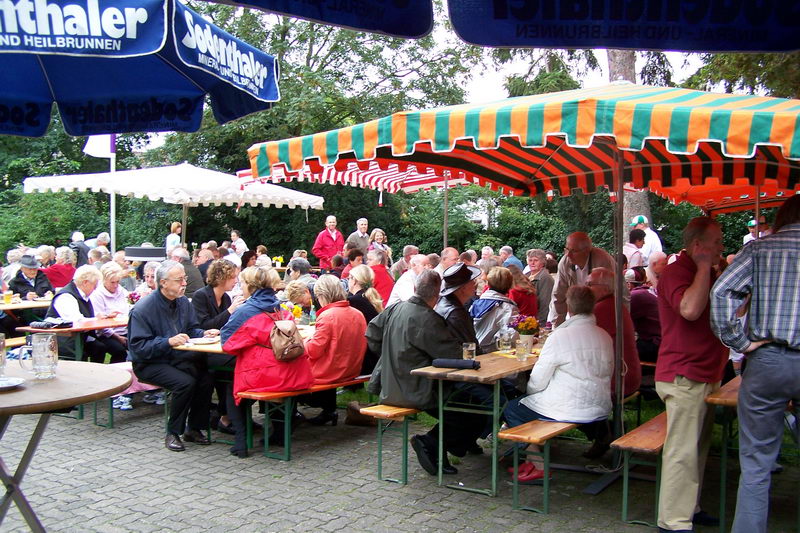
x=223, y=380
x=190, y=384
x=461, y=429
x=96, y=350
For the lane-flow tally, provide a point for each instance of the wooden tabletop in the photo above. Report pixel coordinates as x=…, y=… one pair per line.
x=26, y=304
x=216, y=347
x=76, y=383
x=727, y=395
x=494, y=366
x=84, y=325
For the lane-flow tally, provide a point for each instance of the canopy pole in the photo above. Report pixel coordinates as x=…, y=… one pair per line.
x=112, y=203
x=444, y=230
x=619, y=175
x=184, y=217
x=758, y=210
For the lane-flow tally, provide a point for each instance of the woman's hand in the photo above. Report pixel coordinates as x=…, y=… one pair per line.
x=238, y=300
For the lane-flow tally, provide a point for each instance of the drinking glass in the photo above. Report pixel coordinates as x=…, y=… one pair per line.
x=504, y=340
x=523, y=349
x=468, y=350
x=7, y=296
x=42, y=354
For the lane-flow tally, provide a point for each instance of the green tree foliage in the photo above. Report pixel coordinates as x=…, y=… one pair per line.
x=772, y=74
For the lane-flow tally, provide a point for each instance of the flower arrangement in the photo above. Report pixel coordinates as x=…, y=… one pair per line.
x=277, y=259
x=296, y=310
x=133, y=297
x=525, y=325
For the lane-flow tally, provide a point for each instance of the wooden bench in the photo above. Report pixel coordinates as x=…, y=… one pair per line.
x=386, y=415
x=538, y=432
x=15, y=342
x=285, y=404
x=647, y=439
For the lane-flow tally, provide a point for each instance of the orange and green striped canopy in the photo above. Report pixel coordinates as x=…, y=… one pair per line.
x=559, y=142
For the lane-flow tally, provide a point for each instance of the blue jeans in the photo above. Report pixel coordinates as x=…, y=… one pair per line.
x=517, y=413
x=770, y=379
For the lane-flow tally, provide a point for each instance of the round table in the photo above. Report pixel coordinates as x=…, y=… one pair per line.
x=75, y=383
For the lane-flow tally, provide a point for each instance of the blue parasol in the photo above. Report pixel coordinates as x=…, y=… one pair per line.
x=123, y=66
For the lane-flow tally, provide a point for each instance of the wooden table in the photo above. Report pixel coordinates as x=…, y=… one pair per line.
x=726, y=396
x=216, y=347
x=494, y=367
x=26, y=306
x=75, y=383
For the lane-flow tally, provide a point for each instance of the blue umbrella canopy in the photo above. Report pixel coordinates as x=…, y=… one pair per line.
x=117, y=66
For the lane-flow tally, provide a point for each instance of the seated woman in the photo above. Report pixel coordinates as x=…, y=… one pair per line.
x=72, y=303
x=149, y=275
x=494, y=309
x=366, y=299
x=523, y=293
x=110, y=299
x=213, y=308
x=246, y=337
x=298, y=293
x=571, y=379
x=62, y=271
x=337, y=346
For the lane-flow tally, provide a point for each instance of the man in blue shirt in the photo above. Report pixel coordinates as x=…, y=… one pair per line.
x=508, y=257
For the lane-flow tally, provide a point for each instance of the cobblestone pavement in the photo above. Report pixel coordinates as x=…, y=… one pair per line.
x=86, y=478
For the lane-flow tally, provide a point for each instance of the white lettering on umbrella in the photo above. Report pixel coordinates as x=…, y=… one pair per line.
x=39, y=17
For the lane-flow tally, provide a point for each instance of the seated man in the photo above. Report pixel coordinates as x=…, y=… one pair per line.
x=159, y=322
x=572, y=377
x=410, y=335
x=30, y=282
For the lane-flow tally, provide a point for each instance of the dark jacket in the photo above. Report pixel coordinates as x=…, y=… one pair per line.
x=205, y=306
x=458, y=319
x=360, y=302
x=19, y=285
x=153, y=320
x=408, y=335
x=66, y=344
x=81, y=251
x=195, y=281
x=203, y=268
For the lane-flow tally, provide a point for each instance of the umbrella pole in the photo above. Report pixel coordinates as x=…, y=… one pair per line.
x=444, y=230
x=618, y=291
x=184, y=217
x=112, y=205
x=758, y=211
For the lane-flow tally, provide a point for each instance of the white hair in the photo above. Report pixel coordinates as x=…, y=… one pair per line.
x=362, y=219
x=77, y=236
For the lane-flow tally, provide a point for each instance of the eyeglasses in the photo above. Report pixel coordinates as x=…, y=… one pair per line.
x=184, y=279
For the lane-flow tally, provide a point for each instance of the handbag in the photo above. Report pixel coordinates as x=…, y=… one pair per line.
x=287, y=344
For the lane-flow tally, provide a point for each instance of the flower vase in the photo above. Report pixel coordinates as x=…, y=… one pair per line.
x=277, y=264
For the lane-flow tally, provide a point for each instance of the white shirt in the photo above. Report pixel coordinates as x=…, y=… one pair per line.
x=634, y=255
x=67, y=306
x=403, y=288
x=652, y=243
x=239, y=246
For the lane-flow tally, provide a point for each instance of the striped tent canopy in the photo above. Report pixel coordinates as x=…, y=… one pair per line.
x=713, y=197
x=558, y=142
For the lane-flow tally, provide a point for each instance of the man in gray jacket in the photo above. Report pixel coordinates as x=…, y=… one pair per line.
x=409, y=335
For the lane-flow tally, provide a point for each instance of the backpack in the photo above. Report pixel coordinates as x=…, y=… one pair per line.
x=287, y=344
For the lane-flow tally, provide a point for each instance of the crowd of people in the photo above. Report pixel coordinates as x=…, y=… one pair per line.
x=384, y=314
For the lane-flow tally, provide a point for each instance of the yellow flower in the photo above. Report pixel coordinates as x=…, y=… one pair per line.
x=297, y=311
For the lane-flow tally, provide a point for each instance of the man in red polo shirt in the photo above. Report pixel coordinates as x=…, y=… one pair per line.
x=329, y=243
x=690, y=364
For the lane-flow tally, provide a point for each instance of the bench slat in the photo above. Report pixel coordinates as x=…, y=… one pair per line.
x=388, y=412
x=274, y=396
x=536, y=431
x=647, y=438
x=15, y=342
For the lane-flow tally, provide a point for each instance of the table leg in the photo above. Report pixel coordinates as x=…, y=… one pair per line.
x=495, y=431
x=723, y=467
x=12, y=483
x=79, y=357
x=441, y=431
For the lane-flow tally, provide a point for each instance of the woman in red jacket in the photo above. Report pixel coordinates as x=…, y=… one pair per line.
x=246, y=336
x=523, y=292
x=336, y=348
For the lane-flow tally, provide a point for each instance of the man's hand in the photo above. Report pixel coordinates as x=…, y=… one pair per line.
x=31, y=295
x=122, y=340
x=703, y=256
x=756, y=345
x=179, y=339
x=211, y=333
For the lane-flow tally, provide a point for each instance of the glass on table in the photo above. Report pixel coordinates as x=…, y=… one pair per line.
x=468, y=350
x=523, y=349
x=7, y=297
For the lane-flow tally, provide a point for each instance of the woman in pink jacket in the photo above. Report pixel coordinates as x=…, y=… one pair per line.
x=336, y=348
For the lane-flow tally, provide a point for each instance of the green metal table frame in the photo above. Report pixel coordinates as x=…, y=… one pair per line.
x=384, y=426
x=628, y=460
x=545, y=455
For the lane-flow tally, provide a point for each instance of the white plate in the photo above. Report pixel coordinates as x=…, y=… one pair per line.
x=10, y=382
x=204, y=340
x=42, y=299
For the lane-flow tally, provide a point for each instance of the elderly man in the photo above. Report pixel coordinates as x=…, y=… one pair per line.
x=158, y=323
x=542, y=281
x=690, y=364
x=508, y=258
x=329, y=242
x=30, y=282
x=102, y=239
x=360, y=238
x=447, y=258
x=458, y=287
x=408, y=336
x=80, y=249
x=404, y=288
x=580, y=258
x=768, y=271
x=204, y=259
x=376, y=260
x=195, y=278
x=399, y=267
x=658, y=260
x=652, y=242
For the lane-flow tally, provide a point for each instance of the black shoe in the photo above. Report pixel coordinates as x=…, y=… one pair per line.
x=225, y=428
x=197, y=437
x=597, y=450
x=173, y=443
x=240, y=453
x=257, y=426
x=447, y=468
x=323, y=418
x=702, y=518
x=427, y=462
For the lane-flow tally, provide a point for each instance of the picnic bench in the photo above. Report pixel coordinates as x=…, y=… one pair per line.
x=15, y=342
x=386, y=415
x=538, y=432
x=646, y=439
x=285, y=404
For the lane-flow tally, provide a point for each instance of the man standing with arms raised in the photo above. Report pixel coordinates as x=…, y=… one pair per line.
x=329, y=243
x=690, y=364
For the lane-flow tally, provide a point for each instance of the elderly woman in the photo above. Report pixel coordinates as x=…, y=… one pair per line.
x=149, y=275
x=378, y=241
x=62, y=271
x=246, y=337
x=337, y=346
x=46, y=255
x=111, y=299
x=494, y=309
x=571, y=379
x=72, y=303
x=366, y=299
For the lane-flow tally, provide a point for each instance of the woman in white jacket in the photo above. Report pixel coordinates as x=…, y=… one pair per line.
x=494, y=309
x=571, y=379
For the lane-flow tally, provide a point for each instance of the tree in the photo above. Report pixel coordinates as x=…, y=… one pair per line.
x=772, y=74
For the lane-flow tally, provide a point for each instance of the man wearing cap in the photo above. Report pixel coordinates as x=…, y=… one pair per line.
x=458, y=286
x=652, y=242
x=30, y=282
x=760, y=229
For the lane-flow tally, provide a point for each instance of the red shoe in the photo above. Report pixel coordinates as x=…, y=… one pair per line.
x=523, y=468
x=533, y=477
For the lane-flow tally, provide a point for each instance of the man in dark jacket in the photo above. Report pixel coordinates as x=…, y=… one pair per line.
x=80, y=249
x=30, y=282
x=458, y=287
x=194, y=279
x=410, y=335
x=158, y=323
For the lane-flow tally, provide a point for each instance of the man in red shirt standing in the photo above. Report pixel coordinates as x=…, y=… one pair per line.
x=690, y=364
x=329, y=243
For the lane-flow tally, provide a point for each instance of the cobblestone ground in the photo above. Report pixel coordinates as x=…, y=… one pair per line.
x=86, y=478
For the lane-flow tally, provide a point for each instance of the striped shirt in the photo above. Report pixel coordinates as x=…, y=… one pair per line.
x=768, y=269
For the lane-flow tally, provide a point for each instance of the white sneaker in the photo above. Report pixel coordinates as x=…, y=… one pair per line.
x=123, y=403
x=156, y=398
